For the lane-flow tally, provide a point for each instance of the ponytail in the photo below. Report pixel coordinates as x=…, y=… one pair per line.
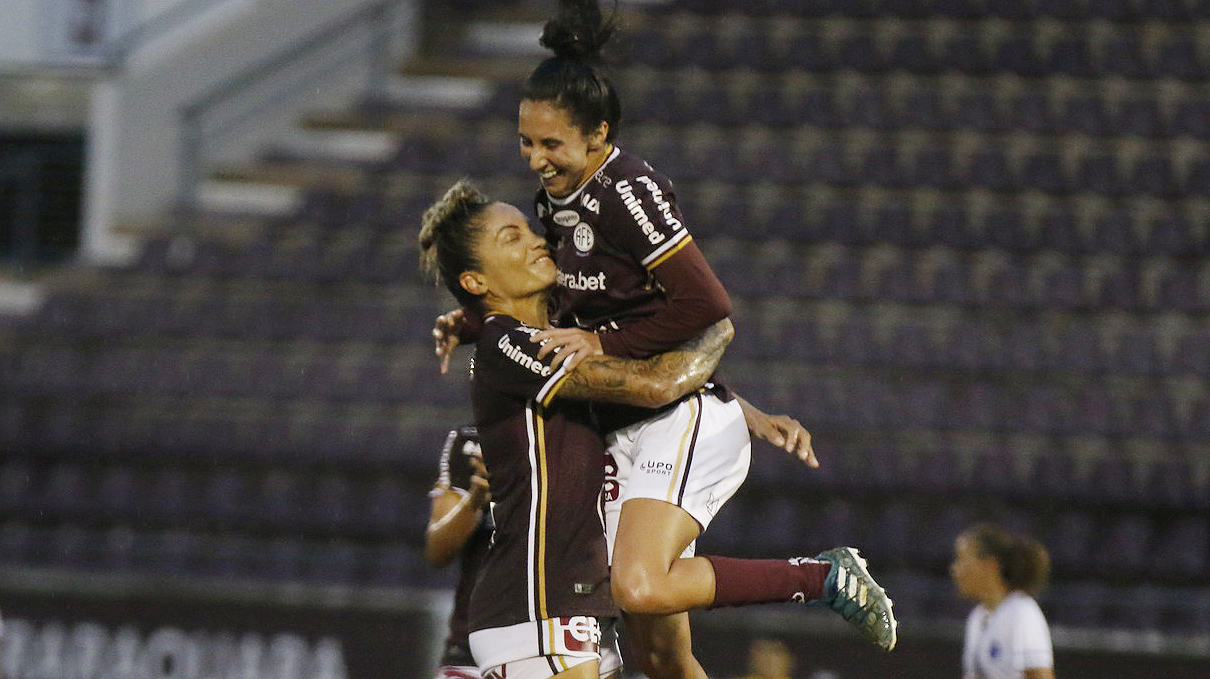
x=571, y=79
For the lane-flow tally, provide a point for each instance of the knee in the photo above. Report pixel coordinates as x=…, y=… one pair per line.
x=636, y=592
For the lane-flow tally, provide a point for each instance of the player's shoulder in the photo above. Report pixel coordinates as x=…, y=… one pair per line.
x=505, y=341
x=625, y=169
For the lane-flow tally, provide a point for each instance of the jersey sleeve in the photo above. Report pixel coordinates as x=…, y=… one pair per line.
x=506, y=361
x=649, y=225
x=696, y=300
x=652, y=230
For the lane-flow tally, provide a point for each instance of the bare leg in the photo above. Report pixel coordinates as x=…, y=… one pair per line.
x=663, y=646
x=653, y=585
x=586, y=670
x=648, y=576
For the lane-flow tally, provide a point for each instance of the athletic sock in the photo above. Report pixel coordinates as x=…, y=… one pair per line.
x=738, y=582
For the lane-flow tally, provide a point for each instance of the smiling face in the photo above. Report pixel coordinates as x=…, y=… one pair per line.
x=555, y=148
x=514, y=263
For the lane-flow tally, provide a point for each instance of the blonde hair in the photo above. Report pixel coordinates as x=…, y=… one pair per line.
x=447, y=234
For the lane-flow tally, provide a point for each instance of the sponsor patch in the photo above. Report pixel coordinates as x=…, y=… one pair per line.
x=566, y=217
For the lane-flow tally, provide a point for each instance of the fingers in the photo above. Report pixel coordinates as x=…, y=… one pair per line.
x=794, y=438
x=445, y=337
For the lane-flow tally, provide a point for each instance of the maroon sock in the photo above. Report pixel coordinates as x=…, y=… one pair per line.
x=738, y=582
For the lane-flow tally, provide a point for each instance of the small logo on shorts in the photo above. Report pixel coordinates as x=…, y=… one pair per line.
x=654, y=467
x=576, y=635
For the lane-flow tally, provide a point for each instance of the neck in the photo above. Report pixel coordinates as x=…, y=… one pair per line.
x=530, y=310
x=597, y=161
x=992, y=599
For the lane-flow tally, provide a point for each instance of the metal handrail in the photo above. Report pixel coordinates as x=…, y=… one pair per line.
x=194, y=113
x=117, y=50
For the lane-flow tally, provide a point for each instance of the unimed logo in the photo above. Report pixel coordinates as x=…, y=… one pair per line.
x=53, y=650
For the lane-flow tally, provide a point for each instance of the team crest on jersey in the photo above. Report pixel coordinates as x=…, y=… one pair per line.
x=566, y=217
x=583, y=238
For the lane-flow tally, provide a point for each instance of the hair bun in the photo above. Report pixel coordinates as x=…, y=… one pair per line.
x=577, y=32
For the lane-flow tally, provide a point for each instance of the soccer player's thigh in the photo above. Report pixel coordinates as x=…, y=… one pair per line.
x=695, y=457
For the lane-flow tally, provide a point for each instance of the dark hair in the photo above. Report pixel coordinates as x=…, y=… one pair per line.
x=447, y=230
x=572, y=79
x=1024, y=562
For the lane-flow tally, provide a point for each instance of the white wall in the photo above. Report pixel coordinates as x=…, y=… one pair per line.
x=135, y=137
x=134, y=117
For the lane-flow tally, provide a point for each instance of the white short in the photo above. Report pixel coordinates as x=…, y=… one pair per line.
x=457, y=672
x=695, y=456
x=539, y=650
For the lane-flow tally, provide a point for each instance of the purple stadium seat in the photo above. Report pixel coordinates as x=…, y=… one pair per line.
x=1044, y=172
x=1122, y=55
x=963, y=52
x=1178, y=57
x=1114, y=232
x=1081, y=604
x=933, y=167
x=1184, y=546
x=989, y=167
x=1070, y=56
x=1019, y=54
x=912, y=53
x=1124, y=547
x=1031, y=111
x=1156, y=176
x=1143, y=116
x=1192, y=117
x=1086, y=113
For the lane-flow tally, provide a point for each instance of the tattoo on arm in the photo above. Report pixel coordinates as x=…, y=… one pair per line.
x=651, y=382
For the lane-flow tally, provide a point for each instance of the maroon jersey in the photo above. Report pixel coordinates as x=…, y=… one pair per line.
x=455, y=473
x=628, y=267
x=546, y=460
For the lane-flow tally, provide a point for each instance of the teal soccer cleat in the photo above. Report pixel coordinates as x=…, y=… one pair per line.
x=851, y=591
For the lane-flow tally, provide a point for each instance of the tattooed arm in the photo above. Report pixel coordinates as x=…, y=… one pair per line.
x=654, y=381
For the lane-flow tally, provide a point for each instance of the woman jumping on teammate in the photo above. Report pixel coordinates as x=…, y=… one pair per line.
x=541, y=606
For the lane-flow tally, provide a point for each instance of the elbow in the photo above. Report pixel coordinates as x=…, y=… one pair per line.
x=727, y=329
x=660, y=393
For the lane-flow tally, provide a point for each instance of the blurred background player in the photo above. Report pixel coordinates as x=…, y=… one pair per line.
x=1006, y=634
x=769, y=659
x=459, y=528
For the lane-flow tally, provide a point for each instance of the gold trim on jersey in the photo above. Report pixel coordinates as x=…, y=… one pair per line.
x=543, y=490
x=672, y=251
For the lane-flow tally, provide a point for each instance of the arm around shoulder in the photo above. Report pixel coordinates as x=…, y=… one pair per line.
x=655, y=381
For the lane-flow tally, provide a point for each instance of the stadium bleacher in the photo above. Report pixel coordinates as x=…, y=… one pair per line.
x=967, y=244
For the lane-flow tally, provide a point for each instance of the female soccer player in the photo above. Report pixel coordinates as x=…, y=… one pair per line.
x=632, y=283
x=541, y=606
x=1006, y=634
x=459, y=528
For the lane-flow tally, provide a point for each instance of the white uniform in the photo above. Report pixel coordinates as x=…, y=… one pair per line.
x=1003, y=643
